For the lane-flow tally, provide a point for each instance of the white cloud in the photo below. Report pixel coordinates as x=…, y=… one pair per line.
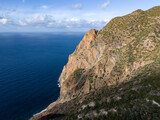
x=37, y=19
x=104, y=5
x=45, y=6
x=77, y=6
x=77, y=23
x=22, y=23
x=48, y=21
x=73, y=19
x=3, y=21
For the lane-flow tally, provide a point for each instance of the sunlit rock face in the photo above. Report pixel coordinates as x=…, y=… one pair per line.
x=109, y=56
x=119, y=52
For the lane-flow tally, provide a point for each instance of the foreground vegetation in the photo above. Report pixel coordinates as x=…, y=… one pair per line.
x=137, y=98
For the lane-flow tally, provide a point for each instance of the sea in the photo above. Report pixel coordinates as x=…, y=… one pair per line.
x=30, y=66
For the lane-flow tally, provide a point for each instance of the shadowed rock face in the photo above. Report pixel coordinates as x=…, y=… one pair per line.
x=117, y=53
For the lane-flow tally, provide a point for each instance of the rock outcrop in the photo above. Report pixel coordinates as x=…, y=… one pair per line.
x=83, y=58
x=116, y=54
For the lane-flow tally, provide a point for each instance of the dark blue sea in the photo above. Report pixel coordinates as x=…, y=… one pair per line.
x=30, y=65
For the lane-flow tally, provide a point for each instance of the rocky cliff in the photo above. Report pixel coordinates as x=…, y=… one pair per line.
x=126, y=52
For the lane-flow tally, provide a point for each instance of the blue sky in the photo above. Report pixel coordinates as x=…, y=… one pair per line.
x=64, y=15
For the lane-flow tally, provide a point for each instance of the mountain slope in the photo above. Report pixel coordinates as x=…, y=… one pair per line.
x=115, y=71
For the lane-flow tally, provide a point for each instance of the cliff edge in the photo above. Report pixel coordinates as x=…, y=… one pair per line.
x=122, y=59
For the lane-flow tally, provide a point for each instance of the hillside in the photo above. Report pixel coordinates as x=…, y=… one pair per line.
x=114, y=73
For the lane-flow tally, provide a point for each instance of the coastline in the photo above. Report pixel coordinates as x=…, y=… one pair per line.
x=46, y=107
x=40, y=112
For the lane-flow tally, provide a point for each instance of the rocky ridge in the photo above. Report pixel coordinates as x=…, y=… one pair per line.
x=125, y=51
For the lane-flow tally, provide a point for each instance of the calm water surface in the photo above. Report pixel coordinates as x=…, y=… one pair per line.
x=30, y=65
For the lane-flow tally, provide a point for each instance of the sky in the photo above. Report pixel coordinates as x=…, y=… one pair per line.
x=64, y=15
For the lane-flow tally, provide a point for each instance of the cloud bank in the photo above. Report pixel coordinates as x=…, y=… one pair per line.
x=45, y=17
x=49, y=22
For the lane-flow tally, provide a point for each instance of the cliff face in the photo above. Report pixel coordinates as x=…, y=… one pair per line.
x=83, y=58
x=116, y=54
x=107, y=57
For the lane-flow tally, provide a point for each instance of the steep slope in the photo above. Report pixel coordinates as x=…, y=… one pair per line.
x=124, y=54
x=136, y=99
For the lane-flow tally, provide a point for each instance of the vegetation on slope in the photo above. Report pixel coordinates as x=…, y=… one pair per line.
x=136, y=98
x=124, y=83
